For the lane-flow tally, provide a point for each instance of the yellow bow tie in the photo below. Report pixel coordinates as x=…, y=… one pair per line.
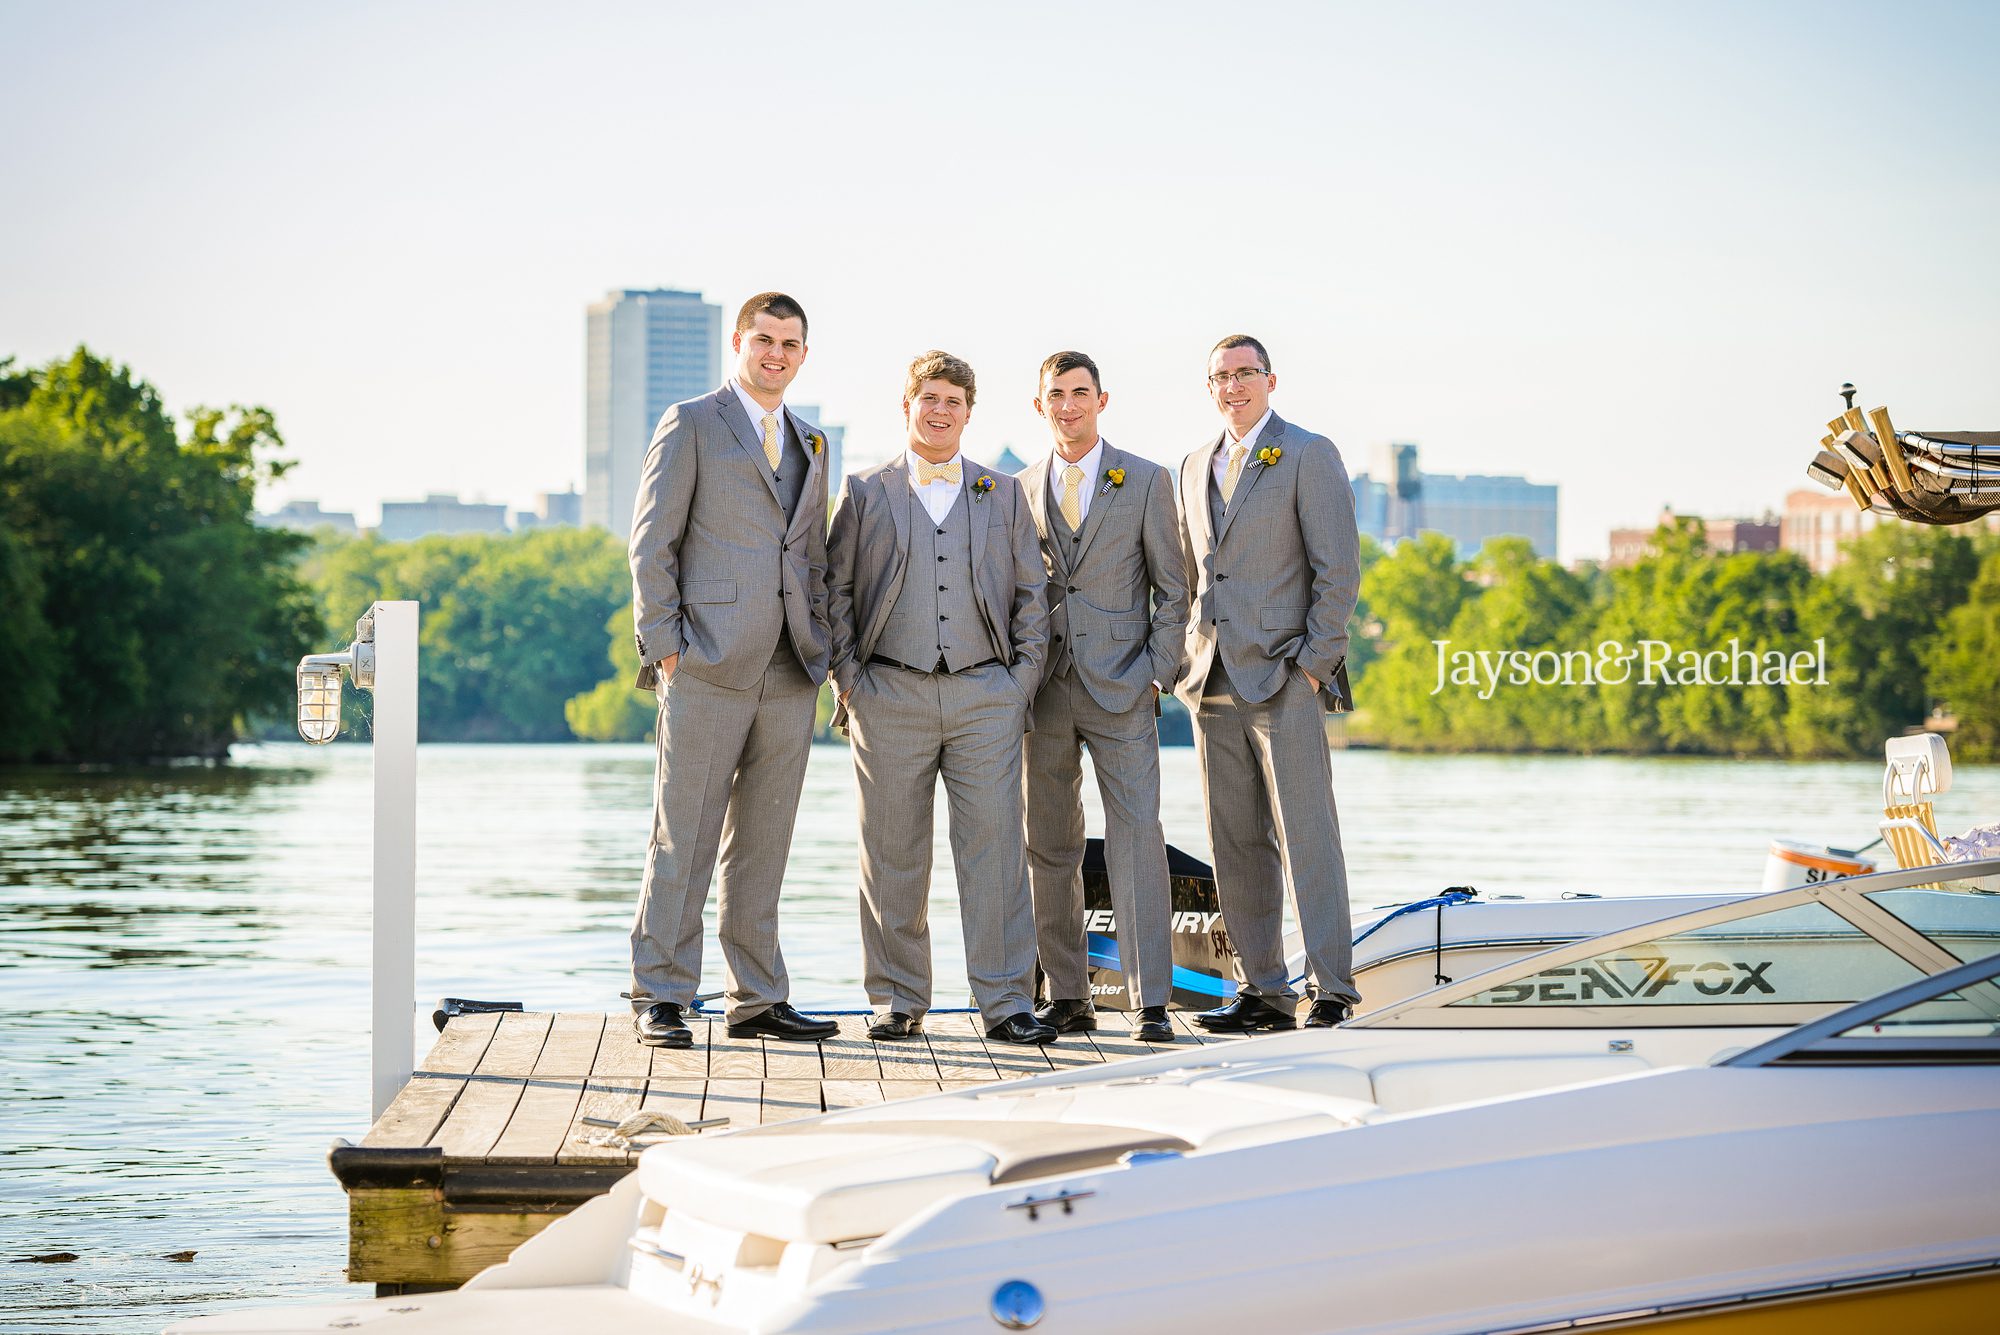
x=928, y=473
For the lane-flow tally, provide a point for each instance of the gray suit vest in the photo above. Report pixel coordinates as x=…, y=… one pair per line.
x=936, y=615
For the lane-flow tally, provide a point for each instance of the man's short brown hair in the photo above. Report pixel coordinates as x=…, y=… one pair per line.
x=774, y=304
x=1243, y=341
x=936, y=365
x=1061, y=363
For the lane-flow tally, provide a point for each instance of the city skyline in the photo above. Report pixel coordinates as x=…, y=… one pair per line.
x=1627, y=250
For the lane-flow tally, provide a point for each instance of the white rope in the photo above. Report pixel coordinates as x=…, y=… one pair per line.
x=651, y=1121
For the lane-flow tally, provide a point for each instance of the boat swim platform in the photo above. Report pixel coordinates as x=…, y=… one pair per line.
x=488, y=1144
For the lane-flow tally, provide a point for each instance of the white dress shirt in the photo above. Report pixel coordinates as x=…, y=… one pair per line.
x=1093, y=478
x=938, y=495
x=757, y=411
x=1221, y=462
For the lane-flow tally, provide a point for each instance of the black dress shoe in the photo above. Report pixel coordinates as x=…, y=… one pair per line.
x=781, y=1021
x=660, y=1026
x=1152, y=1025
x=895, y=1025
x=1021, y=1027
x=1068, y=1017
x=1327, y=1013
x=1246, y=1015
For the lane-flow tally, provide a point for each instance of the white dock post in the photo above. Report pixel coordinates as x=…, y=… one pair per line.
x=395, y=880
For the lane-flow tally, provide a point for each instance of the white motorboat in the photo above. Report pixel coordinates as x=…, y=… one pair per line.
x=1779, y=1106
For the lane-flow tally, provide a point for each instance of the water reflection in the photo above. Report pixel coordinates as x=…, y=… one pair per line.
x=183, y=954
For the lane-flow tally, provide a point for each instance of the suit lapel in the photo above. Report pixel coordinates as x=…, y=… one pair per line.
x=894, y=479
x=1099, y=503
x=1195, y=483
x=815, y=469
x=737, y=414
x=1035, y=483
x=968, y=473
x=1253, y=473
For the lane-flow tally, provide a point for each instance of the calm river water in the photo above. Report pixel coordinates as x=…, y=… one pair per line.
x=183, y=955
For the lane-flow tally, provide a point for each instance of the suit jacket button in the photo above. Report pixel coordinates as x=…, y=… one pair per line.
x=1074, y=589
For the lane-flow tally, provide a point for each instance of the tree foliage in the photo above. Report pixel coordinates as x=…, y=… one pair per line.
x=1904, y=626
x=512, y=626
x=149, y=615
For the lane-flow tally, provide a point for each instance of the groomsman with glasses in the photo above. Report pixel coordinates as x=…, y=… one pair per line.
x=1268, y=521
x=1118, y=600
x=939, y=627
x=728, y=557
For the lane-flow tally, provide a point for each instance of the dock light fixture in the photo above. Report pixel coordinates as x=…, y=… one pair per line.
x=383, y=661
x=319, y=682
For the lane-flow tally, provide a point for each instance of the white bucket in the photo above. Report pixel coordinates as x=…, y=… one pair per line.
x=1791, y=863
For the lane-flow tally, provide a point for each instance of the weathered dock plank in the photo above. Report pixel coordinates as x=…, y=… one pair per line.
x=959, y=1049
x=733, y=1058
x=785, y=1060
x=477, y=1120
x=789, y=1100
x=839, y=1094
x=609, y=1098
x=741, y=1101
x=517, y=1045
x=851, y=1054
x=684, y=1063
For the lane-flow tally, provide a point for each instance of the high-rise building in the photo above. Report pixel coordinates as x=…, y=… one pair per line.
x=439, y=512
x=645, y=350
x=307, y=517
x=1395, y=501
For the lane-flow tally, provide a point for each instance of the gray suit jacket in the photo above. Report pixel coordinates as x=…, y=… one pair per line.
x=1275, y=581
x=868, y=553
x=1119, y=592
x=717, y=569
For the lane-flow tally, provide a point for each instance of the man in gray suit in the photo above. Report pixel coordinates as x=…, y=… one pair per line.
x=938, y=627
x=1118, y=600
x=1268, y=521
x=729, y=596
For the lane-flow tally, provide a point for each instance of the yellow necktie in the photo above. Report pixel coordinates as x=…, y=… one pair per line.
x=1072, y=511
x=928, y=473
x=771, y=446
x=1231, y=475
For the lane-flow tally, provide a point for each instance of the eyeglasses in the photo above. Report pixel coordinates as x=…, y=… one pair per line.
x=1241, y=379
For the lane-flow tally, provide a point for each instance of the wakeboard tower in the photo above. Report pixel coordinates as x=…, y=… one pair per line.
x=1926, y=477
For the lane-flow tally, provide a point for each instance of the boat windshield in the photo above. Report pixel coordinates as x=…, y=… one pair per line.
x=1776, y=959
x=1950, y=1019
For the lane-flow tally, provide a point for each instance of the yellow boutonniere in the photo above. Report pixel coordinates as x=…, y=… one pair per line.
x=1269, y=455
x=816, y=440
x=1115, y=476
x=980, y=487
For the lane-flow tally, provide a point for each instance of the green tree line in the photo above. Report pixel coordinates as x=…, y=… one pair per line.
x=150, y=618
x=147, y=616
x=1910, y=623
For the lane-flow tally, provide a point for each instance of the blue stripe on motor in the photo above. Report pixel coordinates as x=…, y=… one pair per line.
x=1104, y=955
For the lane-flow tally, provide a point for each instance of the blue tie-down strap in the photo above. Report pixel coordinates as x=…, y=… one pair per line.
x=1104, y=955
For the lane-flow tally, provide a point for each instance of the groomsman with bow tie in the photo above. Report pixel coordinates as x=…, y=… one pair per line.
x=1118, y=600
x=728, y=557
x=1268, y=520
x=938, y=630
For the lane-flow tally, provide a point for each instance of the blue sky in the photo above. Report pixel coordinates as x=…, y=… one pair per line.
x=1631, y=249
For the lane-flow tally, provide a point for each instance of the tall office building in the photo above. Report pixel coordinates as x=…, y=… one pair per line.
x=1395, y=500
x=646, y=350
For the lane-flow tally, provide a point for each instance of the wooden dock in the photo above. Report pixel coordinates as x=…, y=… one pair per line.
x=487, y=1144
